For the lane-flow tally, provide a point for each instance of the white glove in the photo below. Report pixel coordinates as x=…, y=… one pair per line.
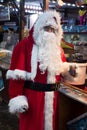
x=18, y=104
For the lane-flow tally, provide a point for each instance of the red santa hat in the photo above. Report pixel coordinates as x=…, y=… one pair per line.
x=48, y=18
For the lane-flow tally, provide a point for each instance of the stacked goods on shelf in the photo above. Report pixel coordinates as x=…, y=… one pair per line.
x=3, y=54
x=80, y=48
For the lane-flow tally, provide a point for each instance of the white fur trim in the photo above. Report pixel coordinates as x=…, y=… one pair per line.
x=34, y=62
x=49, y=96
x=16, y=104
x=21, y=74
x=43, y=21
x=17, y=74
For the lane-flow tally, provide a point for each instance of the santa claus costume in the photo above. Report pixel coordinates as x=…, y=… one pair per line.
x=37, y=59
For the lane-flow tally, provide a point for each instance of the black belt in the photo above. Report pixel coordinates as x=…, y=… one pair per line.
x=41, y=87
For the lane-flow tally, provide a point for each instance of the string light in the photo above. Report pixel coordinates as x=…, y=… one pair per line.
x=60, y=2
x=18, y=0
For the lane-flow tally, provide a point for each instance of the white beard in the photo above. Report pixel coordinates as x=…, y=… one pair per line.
x=49, y=55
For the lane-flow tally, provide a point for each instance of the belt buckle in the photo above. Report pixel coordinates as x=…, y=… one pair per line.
x=57, y=86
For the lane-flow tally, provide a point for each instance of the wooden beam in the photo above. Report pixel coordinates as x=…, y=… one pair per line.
x=21, y=22
x=45, y=5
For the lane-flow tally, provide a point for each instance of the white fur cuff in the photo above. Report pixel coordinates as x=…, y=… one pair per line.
x=18, y=104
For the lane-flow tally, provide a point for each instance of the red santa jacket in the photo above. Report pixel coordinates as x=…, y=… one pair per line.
x=21, y=66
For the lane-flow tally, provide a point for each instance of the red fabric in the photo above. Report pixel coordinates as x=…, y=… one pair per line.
x=56, y=111
x=33, y=119
x=21, y=59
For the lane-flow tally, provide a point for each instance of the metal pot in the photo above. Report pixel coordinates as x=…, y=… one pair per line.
x=81, y=74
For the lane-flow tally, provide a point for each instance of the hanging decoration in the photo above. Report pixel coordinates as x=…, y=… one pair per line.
x=82, y=14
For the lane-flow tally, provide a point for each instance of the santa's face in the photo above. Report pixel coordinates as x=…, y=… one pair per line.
x=49, y=53
x=47, y=36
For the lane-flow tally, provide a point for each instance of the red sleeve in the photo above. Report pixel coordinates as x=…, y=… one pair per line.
x=17, y=62
x=19, y=56
x=15, y=88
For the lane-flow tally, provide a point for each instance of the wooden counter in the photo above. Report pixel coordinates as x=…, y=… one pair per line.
x=69, y=109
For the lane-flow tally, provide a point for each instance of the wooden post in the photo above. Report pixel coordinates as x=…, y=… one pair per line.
x=45, y=5
x=22, y=21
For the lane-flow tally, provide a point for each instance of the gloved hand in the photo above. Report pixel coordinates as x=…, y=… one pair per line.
x=18, y=104
x=72, y=70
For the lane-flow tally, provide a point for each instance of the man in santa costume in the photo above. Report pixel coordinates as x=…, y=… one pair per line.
x=36, y=69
